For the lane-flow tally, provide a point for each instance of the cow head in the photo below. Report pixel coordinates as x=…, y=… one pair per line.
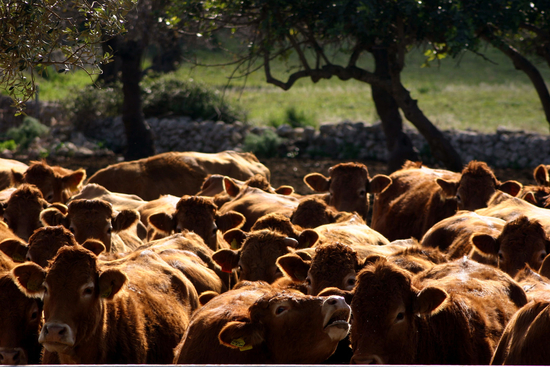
x=20, y=322
x=295, y=328
x=476, y=186
x=57, y=184
x=255, y=254
x=197, y=214
x=348, y=186
x=92, y=219
x=332, y=265
x=385, y=307
x=522, y=241
x=73, y=289
x=22, y=210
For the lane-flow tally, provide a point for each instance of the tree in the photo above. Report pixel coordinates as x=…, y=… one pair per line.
x=315, y=32
x=37, y=35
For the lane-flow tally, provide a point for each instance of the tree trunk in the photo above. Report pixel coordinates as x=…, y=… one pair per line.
x=110, y=71
x=138, y=134
x=169, y=54
x=398, y=144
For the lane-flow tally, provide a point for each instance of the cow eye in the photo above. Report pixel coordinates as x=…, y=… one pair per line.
x=279, y=310
x=71, y=229
x=109, y=230
x=500, y=256
x=351, y=281
x=458, y=198
x=362, y=192
x=308, y=281
x=400, y=316
x=542, y=256
x=88, y=291
x=49, y=198
x=177, y=230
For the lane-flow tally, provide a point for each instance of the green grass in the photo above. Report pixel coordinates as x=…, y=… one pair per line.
x=470, y=93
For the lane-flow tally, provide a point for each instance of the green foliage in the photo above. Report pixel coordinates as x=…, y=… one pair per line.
x=294, y=118
x=88, y=104
x=8, y=144
x=29, y=129
x=37, y=34
x=265, y=145
x=165, y=96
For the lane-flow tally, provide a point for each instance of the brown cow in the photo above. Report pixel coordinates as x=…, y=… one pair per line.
x=175, y=173
x=348, y=187
x=200, y=215
x=257, y=324
x=20, y=320
x=524, y=339
x=453, y=313
x=56, y=183
x=521, y=242
x=22, y=210
x=314, y=212
x=254, y=203
x=134, y=312
x=96, y=219
x=419, y=197
x=6, y=168
x=254, y=254
x=453, y=235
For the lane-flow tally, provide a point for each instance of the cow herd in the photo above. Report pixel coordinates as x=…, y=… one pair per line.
x=194, y=258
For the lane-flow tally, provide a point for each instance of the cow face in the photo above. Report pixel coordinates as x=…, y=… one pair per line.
x=92, y=219
x=476, y=186
x=73, y=290
x=522, y=241
x=333, y=265
x=20, y=322
x=56, y=183
x=295, y=328
x=199, y=215
x=385, y=307
x=254, y=255
x=348, y=186
x=22, y=211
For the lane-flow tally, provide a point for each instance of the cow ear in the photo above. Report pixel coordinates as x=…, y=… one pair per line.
x=334, y=291
x=110, y=282
x=125, y=219
x=541, y=175
x=294, y=266
x=284, y=190
x=428, y=299
x=59, y=206
x=485, y=243
x=308, y=238
x=226, y=258
x=230, y=187
x=53, y=217
x=29, y=277
x=449, y=187
x=97, y=247
x=371, y=259
x=230, y=220
x=511, y=187
x=14, y=248
x=16, y=178
x=241, y=335
x=235, y=238
x=317, y=182
x=164, y=222
x=73, y=180
x=379, y=184
x=545, y=267
x=206, y=296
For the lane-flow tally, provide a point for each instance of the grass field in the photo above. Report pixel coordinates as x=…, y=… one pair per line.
x=470, y=93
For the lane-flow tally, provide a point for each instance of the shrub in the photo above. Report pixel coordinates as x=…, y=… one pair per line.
x=294, y=118
x=29, y=129
x=263, y=146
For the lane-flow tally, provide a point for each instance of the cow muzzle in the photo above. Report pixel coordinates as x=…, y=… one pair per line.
x=13, y=356
x=56, y=337
x=337, y=315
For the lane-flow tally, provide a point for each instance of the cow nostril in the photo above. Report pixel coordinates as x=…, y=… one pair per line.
x=10, y=357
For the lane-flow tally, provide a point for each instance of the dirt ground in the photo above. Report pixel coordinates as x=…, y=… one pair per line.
x=288, y=171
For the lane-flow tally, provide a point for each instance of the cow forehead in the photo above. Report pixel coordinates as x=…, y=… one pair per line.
x=73, y=264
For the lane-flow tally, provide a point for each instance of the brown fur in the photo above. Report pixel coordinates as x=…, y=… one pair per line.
x=22, y=210
x=277, y=222
x=6, y=167
x=313, y=212
x=175, y=173
x=524, y=340
x=458, y=322
x=133, y=312
x=45, y=242
x=294, y=337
